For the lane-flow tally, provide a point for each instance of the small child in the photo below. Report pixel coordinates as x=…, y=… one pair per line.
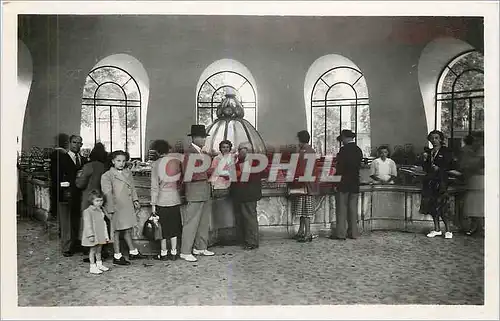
x=122, y=203
x=95, y=231
x=383, y=169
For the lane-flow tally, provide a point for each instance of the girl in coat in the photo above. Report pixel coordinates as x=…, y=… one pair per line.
x=95, y=231
x=122, y=204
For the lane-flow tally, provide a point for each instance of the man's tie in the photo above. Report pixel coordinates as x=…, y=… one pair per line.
x=78, y=162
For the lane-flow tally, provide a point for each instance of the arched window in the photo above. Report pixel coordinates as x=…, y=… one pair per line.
x=339, y=100
x=111, y=110
x=222, y=77
x=459, y=105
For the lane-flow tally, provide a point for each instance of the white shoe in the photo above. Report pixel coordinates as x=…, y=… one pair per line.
x=188, y=257
x=94, y=269
x=434, y=234
x=448, y=235
x=203, y=252
x=101, y=267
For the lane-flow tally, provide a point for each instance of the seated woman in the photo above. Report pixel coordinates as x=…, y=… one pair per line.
x=383, y=169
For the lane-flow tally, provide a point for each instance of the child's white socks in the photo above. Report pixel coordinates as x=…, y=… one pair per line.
x=163, y=253
x=134, y=252
x=118, y=256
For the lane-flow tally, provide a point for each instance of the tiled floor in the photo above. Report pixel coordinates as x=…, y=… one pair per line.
x=378, y=268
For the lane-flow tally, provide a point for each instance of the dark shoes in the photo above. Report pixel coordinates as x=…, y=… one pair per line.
x=136, y=256
x=305, y=239
x=121, y=261
x=250, y=247
x=68, y=254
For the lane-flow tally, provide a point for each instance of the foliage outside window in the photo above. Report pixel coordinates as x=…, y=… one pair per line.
x=460, y=97
x=213, y=91
x=339, y=101
x=111, y=111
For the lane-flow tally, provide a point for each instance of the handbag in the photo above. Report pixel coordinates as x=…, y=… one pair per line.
x=152, y=229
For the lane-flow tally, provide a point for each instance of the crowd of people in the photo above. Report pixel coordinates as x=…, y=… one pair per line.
x=95, y=200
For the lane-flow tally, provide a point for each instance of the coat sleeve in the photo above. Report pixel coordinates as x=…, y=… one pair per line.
x=155, y=186
x=133, y=190
x=82, y=177
x=88, y=224
x=107, y=190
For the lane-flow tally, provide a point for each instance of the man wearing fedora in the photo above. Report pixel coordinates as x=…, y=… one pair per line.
x=196, y=216
x=348, y=165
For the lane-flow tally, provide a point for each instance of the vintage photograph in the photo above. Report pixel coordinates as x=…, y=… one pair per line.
x=250, y=160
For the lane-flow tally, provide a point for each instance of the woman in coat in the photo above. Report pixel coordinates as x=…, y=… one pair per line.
x=472, y=167
x=435, y=198
x=89, y=178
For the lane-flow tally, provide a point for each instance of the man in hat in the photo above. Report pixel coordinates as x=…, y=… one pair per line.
x=245, y=195
x=348, y=165
x=199, y=207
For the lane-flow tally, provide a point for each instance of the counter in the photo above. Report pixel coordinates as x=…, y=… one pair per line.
x=381, y=207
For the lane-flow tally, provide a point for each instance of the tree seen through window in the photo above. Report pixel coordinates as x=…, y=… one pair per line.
x=339, y=101
x=111, y=111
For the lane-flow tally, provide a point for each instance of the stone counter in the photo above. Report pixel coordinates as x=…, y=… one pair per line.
x=381, y=207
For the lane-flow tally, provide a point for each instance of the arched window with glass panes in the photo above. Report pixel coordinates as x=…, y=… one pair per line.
x=214, y=89
x=111, y=111
x=339, y=101
x=459, y=108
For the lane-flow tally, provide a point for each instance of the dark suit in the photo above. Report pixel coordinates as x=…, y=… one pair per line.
x=68, y=199
x=245, y=196
x=196, y=217
x=348, y=165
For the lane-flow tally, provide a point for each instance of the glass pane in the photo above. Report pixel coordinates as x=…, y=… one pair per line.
x=89, y=88
x=131, y=90
x=227, y=78
x=250, y=116
x=469, y=61
x=103, y=127
x=119, y=129
x=478, y=114
x=340, y=91
x=460, y=118
x=220, y=94
x=113, y=74
x=348, y=118
x=361, y=88
x=214, y=115
x=319, y=91
x=87, y=126
x=318, y=130
x=363, y=120
x=342, y=74
x=204, y=116
x=133, y=132
x=332, y=130
x=471, y=80
x=446, y=117
x=110, y=91
x=247, y=94
x=206, y=92
x=449, y=78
